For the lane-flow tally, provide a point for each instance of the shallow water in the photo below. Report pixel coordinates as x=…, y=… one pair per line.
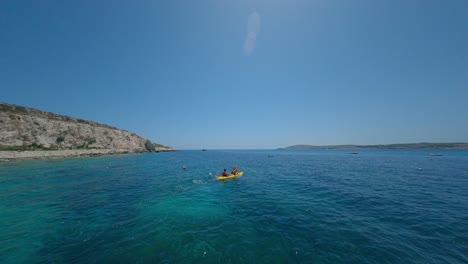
x=295, y=207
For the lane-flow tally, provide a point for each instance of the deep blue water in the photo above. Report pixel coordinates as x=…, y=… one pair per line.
x=295, y=207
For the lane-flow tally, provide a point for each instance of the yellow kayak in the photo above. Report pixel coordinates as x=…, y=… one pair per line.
x=231, y=176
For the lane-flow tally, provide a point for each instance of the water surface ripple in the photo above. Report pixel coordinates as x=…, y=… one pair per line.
x=381, y=206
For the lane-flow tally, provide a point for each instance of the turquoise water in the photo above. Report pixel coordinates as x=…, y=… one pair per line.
x=295, y=207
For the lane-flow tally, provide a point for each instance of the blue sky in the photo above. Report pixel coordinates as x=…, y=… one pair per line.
x=244, y=74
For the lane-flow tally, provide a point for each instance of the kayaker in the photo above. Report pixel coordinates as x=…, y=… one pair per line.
x=224, y=173
x=234, y=170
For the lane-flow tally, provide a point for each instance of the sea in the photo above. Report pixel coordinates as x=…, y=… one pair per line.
x=290, y=206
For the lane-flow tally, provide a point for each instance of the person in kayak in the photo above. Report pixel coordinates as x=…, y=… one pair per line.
x=234, y=170
x=224, y=173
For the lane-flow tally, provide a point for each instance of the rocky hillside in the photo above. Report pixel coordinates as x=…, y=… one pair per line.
x=23, y=128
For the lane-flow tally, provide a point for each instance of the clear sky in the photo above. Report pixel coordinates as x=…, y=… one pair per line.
x=244, y=74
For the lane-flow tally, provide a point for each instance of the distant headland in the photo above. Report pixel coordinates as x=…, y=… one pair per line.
x=423, y=145
x=30, y=133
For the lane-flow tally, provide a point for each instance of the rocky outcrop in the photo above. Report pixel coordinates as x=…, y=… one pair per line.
x=23, y=128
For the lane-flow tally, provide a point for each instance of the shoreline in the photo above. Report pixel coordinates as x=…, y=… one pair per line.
x=6, y=156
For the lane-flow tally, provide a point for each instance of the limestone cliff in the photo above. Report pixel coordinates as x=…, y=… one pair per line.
x=23, y=128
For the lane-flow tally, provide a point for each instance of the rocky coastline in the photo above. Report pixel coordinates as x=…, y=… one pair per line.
x=65, y=153
x=27, y=133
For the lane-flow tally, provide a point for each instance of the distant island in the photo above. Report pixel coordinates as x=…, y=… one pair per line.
x=30, y=133
x=423, y=145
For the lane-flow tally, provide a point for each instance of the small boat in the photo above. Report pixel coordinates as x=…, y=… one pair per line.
x=203, y=150
x=436, y=154
x=354, y=153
